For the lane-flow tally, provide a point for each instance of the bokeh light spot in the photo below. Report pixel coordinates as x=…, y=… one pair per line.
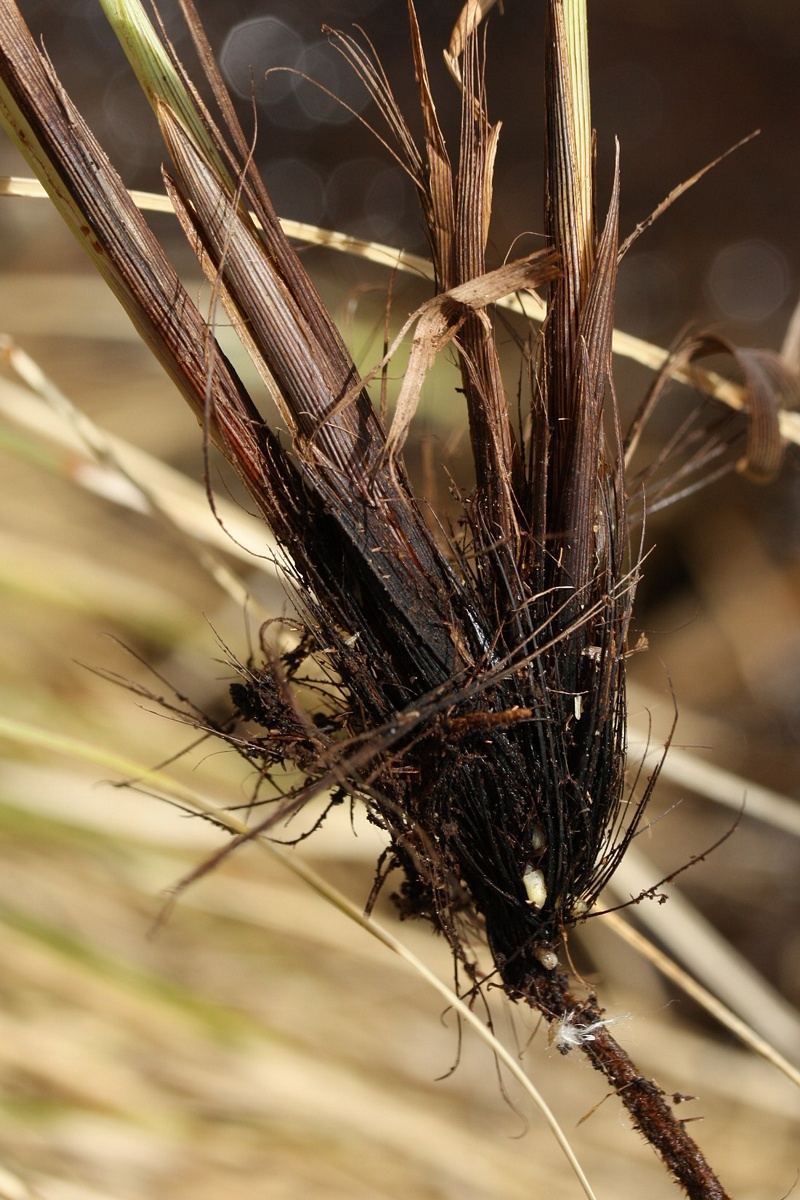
x=749, y=280
x=329, y=86
x=254, y=47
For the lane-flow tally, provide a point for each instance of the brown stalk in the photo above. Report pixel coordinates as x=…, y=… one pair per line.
x=651, y=1113
x=96, y=205
x=496, y=514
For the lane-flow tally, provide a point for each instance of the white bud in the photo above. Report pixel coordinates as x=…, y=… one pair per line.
x=535, y=887
x=547, y=957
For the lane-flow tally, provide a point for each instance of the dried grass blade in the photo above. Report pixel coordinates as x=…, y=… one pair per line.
x=497, y=508
x=469, y=19
x=582, y=466
x=437, y=194
x=440, y=320
x=678, y=191
x=714, y=1007
x=693, y=941
x=769, y=384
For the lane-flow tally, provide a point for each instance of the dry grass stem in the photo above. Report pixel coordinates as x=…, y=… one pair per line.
x=741, y=1029
x=529, y=305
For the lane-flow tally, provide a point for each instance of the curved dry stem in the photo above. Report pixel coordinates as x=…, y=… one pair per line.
x=527, y=304
x=714, y=1007
x=696, y=943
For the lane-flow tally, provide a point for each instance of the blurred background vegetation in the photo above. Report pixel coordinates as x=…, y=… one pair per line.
x=256, y=1045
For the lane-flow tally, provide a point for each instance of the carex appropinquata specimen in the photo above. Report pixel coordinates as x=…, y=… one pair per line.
x=469, y=691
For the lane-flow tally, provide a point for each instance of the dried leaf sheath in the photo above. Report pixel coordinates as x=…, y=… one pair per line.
x=496, y=510
x=340, y=446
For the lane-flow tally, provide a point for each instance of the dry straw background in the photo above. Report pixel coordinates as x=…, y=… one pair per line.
x=257, y=1044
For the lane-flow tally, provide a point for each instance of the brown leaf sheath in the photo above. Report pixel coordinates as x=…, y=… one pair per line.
x=579, y=441
x=387, y=550
x=496, y=507
x=98, y=209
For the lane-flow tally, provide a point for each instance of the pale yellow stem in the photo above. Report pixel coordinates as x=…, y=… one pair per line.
x=575, y=27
